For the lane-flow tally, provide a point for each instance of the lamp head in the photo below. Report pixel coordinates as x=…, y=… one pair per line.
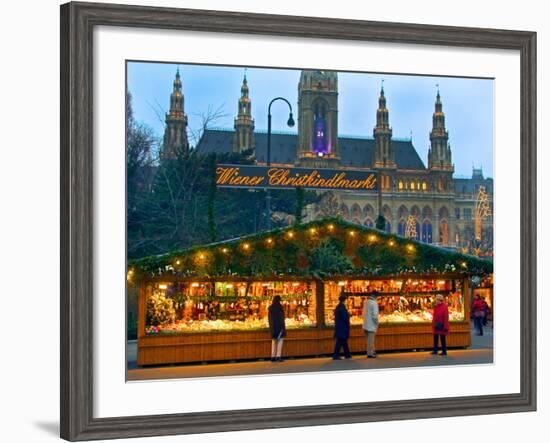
x=290, y=121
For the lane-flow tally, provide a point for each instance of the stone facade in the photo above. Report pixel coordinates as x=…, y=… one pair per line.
x=427, y=202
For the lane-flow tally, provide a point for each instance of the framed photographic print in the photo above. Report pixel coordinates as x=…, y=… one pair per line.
x=261, y=213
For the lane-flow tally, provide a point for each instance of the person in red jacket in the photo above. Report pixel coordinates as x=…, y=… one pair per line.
x=440, y=324
x=478, y=312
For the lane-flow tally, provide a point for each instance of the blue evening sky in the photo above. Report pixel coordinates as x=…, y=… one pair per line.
x=467, y=104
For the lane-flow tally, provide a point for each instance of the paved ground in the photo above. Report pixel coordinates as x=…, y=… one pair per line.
x=480, y=352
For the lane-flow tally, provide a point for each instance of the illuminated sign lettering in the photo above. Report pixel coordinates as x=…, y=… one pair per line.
x=279, y=177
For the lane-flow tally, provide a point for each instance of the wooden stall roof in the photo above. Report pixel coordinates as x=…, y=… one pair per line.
x=327, y=248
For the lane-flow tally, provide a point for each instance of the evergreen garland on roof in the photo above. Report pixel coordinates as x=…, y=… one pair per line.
x=323, y=248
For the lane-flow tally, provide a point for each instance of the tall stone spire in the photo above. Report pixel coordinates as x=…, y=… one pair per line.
x=175, y=132
x=439, y=154
x=318, y=119
x=244, y=123
x=384, y=156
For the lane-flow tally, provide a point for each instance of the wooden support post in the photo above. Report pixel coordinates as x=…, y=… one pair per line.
x=320, y=302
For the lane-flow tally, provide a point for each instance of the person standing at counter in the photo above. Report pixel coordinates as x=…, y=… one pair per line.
x=478, y=312
x=341, y=329
x=370, y=322
x=276, y=318
x=440, y=324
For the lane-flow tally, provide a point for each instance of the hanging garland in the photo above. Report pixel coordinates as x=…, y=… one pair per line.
x=321, y=248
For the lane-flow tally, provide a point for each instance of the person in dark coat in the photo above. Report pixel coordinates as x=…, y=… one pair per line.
x=440, y=324
x=341, y=329
x=276, y=317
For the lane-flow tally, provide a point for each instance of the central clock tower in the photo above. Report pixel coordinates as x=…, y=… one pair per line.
x=318, y=120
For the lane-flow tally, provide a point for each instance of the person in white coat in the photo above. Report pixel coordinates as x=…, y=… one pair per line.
x=370, y=322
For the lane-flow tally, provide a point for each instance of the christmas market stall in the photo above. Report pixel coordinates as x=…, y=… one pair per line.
x=209, y=303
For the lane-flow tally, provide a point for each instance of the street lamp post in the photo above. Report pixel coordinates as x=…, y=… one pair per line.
x=290, y=123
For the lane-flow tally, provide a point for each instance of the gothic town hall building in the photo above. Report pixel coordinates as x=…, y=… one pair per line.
x=426, y=202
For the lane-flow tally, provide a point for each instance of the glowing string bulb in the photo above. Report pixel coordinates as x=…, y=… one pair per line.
x=246, y=246
x=331, y=227
x=178, y=262
x=392, y=243
x=269, y=240
x=352, y=233
x=290, y=234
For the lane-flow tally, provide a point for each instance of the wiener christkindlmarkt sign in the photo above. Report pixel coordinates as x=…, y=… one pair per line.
x=281, y=177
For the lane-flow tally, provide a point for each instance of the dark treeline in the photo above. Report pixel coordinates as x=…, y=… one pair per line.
x=174, y=203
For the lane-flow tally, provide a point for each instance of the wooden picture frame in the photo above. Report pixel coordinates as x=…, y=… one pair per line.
x=77, y=23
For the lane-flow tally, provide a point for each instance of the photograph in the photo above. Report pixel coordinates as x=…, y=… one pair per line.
x=301, y=220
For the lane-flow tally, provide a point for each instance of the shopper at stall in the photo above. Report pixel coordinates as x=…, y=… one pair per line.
x=370, y=322
x=276, y=318
x=440, y=324
x=478, y=312
x=341, y=329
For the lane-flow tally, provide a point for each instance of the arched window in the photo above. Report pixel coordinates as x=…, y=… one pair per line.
x=424, y=185
x=426, y=232
x=320, y=145
x=427, y=213
x=388, y=187
x=388, y=227
x=400, y=185
x=402, y=228
x=368, y=211
x=356, y=211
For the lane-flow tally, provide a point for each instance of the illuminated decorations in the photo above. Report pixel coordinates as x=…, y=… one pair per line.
x=320, y=145
x=483, y=210
x=410, y=230
x=329, y=247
